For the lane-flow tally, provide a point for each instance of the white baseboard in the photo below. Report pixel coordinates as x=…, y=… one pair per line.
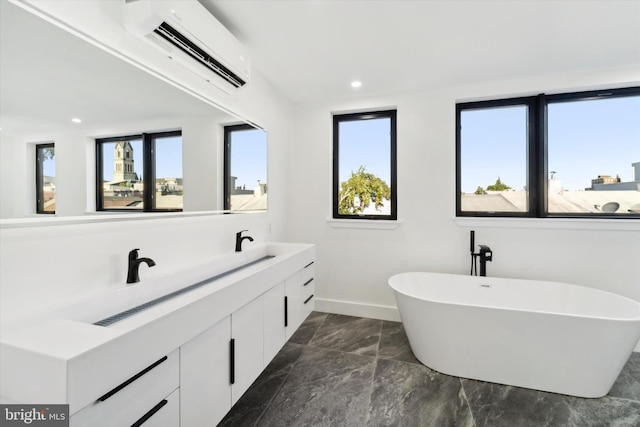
x=381, y=312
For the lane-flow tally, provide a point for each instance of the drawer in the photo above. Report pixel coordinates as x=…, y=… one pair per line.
x=308, y=299
x=134, y=398
x=307, y=289
x=308, y=272
x=165, y=414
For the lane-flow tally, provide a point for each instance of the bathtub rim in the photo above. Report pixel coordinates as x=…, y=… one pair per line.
x=494, y=307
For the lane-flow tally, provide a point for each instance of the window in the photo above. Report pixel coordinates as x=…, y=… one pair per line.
x=564, y=155
x=245, y=168
x=140, y=173
x=45, y=179
x=364, y=165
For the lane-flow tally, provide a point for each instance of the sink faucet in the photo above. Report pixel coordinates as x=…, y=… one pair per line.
x=134, y=264
x=240, y=238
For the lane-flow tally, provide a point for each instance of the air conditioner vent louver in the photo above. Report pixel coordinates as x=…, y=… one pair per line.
x=168, y=33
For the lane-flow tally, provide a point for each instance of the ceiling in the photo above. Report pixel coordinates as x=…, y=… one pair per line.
x=311, y=50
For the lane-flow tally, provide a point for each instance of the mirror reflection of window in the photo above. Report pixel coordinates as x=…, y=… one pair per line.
x=167, y=156
x=45, y=179
x=141, y=173
x=120, y=177
x=245, y=168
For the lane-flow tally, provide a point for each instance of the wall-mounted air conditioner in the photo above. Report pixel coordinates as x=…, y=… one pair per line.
x=185, y=31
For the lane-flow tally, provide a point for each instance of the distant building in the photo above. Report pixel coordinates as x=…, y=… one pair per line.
x=48, y=184
x=608, y=183
x=123, y=162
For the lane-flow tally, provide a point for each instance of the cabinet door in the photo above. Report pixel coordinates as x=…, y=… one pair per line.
x=274, y=318
x=294, y=303
x=205, y=389
x=248, y=338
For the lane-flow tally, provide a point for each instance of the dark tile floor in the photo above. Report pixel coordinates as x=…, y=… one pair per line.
x=351, y=371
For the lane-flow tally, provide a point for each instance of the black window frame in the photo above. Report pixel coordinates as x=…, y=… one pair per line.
x=537, y=150
x=148, y=170
x=228, y=131
x=393, y=137
x=40, y=177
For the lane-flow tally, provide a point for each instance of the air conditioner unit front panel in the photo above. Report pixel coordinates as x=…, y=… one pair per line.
x=195, y=39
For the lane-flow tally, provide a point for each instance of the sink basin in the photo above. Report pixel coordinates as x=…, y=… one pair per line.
x=137, y=309
x=112, y=306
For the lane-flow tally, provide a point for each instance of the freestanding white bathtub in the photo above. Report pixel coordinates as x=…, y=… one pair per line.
x=542, y=335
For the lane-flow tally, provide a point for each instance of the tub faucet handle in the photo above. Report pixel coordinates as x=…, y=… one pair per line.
x=486, y=253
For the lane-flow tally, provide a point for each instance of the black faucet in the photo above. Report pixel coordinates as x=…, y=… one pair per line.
x=134, y=264
x=485, y=255
x=240, y=238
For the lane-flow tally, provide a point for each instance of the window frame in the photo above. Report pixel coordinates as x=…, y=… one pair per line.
x=228, y=131
x=339, y=118
x=148, y=170
x=39, y=179
x=537, y=161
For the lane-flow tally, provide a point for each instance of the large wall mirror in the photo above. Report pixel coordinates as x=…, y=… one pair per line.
x=60, y=94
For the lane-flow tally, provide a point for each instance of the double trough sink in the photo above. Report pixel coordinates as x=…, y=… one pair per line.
x=129, y=300
x=107, y=321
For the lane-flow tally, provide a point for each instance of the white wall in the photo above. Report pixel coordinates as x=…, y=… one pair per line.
x=354, y=264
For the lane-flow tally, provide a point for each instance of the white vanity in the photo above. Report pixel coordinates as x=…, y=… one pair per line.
x=184, y=361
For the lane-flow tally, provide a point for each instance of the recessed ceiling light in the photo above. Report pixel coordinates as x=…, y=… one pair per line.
x=76, y=120
x=356, y=84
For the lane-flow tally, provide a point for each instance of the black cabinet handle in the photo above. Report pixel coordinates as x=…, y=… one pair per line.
x=149, y=414
x=307, y=282
x=286, y=311
x=308, y=299
x=311, y=263
x=232, y=361
x=130, y=380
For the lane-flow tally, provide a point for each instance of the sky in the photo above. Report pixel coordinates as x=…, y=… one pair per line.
x=585, y=139
x=249, y=157
x=365, y=143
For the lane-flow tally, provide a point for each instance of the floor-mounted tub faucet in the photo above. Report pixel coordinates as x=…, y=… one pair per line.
x=134, y=265
x=485, y=255
x=240, y=238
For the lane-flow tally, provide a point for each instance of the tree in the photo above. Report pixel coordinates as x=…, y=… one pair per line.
x=48, y=153
x=479, y=190
x=366, y=187
x=498, y=186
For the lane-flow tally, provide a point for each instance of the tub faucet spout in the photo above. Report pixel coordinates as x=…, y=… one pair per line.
x=134, y=265
x=485, y=255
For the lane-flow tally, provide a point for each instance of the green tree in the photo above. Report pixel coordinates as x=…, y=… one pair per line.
x=479, y=190
x=498, y=186
x=49, y=153
x=366, y=187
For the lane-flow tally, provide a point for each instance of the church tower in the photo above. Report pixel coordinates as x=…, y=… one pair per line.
x=123, y=162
